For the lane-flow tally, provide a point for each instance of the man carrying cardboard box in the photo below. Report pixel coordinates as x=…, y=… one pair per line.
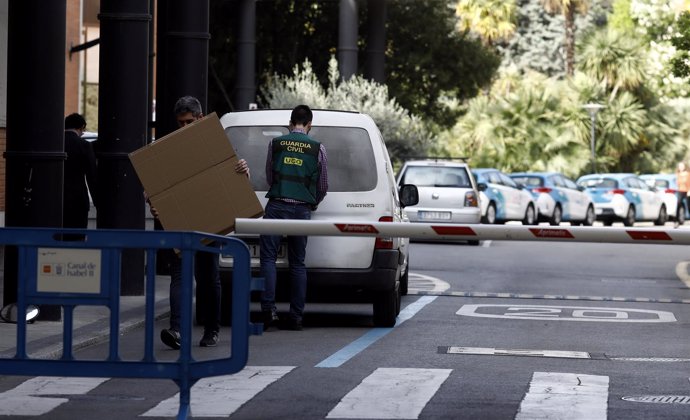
x=188, y=110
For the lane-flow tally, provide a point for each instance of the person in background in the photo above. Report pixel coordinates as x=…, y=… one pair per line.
x=187, y=110
x=683, y=182
x=297, y=175
x=79, y=176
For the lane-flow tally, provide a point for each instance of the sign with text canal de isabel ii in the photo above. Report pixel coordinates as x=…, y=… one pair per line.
x=65, y=270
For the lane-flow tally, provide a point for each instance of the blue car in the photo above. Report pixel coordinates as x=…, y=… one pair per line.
x=502, y=200
x=624, y=197
x=666, y=183
x=558, y=198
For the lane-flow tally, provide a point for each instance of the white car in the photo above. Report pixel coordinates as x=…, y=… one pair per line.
x=502, y=199
x=558, y=198
x=362, y=188
x=447, y=192
x=624, y=197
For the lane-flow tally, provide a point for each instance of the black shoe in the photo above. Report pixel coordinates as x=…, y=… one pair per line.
x=210, y=339
x=293, y=324
x=269, y=318
x=171, y=338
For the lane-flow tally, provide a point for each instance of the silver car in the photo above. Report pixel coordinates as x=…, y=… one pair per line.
x=447, y=192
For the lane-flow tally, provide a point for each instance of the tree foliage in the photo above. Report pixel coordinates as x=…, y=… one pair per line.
x=428, y=64
x=404, y=133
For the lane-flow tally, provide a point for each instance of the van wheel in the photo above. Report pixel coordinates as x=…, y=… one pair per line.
x=387, y=307
x=405, y=279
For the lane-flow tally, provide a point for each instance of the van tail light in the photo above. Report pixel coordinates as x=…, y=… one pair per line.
x=471, y=199
x=384, y=243
x=670, y=191
x=617, y=191
x=542, y=190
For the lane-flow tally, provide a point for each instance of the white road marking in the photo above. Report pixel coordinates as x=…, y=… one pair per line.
x=26, y=400
x=486, y=244
x=420, y=282
x=220, y=396
x=566, y=313
x=565, y=396
x=491, y=351
x=391, y=393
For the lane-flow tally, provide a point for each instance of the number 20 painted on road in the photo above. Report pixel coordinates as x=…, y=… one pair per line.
x=565, y=313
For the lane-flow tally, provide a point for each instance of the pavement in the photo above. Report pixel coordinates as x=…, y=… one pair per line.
x=91, y=324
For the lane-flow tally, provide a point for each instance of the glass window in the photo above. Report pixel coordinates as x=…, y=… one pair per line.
x=507, y=181
x=599, y=183
x=436, y=176
x=351, y=163
x=529, y=181
x=569, y=183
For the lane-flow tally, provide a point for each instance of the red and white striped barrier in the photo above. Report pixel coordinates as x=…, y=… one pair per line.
x=441, y=231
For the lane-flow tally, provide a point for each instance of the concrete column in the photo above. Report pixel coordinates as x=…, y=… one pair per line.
x=122, y=124
x=245, y=88
x=376, y=42
x=347, y=39
x=35, y=125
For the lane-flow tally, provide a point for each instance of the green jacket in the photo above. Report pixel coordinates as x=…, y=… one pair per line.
x=295, y=167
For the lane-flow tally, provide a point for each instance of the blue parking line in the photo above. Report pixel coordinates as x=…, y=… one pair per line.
x=360, y=344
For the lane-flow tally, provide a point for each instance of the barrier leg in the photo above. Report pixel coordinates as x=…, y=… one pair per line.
x=185, y=410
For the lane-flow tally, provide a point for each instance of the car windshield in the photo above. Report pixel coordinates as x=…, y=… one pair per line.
x=529, y=181
x=599, y=183
x=435, y=176
x=351, y=164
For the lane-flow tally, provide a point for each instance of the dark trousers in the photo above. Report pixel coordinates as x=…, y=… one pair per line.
x=297, y=245
x=207, y=290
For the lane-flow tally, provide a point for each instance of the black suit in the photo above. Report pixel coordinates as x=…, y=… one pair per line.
x=80, y=170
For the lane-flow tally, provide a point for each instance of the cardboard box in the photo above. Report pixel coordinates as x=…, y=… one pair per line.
x=190, y=179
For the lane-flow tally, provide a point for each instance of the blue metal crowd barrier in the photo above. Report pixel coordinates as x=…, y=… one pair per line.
x=52, y=271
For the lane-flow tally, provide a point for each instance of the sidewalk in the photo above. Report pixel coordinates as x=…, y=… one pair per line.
x=91, y=324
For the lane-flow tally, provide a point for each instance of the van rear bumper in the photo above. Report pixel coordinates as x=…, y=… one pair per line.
x=379, y=276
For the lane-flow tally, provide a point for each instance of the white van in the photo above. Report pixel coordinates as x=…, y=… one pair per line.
x=361, y=187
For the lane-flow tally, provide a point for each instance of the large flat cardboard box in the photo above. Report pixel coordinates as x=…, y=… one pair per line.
x=190, y=179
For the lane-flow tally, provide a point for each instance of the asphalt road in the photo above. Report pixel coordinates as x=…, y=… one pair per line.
x=504, y=330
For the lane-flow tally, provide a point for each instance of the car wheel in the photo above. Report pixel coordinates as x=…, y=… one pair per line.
x=405, y=279
x=556, y=217
x=629, y=217
x=589, y=217
x=490, y=217
x=663, y=217
x=530, y=217
x=680, y=215
x=387, y=307
x=608, y=222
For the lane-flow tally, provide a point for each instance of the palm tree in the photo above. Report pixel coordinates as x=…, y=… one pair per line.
x=569, y=8
x=491, y=20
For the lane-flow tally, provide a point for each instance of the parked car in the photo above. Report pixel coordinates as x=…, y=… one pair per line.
x=666, y=183
x=447, y=192
x=502, y=199
x=362, y=188
x=624, y=197
x=558, y=198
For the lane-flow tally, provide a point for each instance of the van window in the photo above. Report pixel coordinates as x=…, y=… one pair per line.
x=351, y=162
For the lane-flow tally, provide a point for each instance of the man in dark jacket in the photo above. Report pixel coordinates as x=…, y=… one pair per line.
x=80, y=174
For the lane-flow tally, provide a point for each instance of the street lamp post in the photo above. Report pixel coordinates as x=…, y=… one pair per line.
x=593, y=109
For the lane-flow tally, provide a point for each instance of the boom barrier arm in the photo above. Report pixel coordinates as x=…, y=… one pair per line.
x=447, y=231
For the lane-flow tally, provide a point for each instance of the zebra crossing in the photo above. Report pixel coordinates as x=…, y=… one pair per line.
x=386, y=393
